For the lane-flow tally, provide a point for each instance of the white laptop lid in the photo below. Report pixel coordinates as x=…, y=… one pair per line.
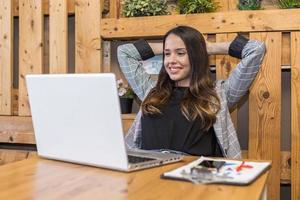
x=76, y=118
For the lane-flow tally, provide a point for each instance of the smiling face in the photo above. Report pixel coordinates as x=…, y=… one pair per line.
x=176, y=61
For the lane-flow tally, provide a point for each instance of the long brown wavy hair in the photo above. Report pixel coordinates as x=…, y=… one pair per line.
x=201, y=100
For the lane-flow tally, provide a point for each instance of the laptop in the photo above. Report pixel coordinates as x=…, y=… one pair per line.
x=76, y=118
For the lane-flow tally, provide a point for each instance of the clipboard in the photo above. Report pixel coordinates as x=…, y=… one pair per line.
x=221, y=171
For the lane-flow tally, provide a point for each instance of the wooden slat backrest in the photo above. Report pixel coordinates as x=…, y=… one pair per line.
x=6, y=61
x=295, y=107
x=58, y=36
x=265, y=110
x=87, y=36
x=31, y=22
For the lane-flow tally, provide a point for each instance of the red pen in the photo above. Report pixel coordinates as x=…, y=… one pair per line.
x=242, y=165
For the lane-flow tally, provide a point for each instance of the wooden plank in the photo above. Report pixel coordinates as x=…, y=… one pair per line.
x=114, y=8
x=31, y=47
x=70, y=3
x=87, y=36
x=295, y=107
x=265, y=110
x=106, y=57
x=9, y=156
x=127, y=120
x=16, y=129
x=224, y=65
x=219, y=22
x=232, y=4
x=6, y=57
x=286, y=49
x=58, y=23
x=268, y=4
x=285, y=172
x=226, y=5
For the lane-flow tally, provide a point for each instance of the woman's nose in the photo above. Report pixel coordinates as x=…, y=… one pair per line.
x=172, y=58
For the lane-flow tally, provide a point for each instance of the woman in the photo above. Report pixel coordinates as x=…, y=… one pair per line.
x=185, y=110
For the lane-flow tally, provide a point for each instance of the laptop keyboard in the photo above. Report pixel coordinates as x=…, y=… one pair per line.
x=136, y=159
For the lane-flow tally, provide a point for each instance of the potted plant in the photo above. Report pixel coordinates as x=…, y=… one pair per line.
x=249, y=4
x=137, y=8
x=285, y=4
x=126, y=96
x=196, y=6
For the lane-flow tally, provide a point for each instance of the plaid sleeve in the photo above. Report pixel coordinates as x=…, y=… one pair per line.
x=243, y=75
x=133, y=138
x=129, y=60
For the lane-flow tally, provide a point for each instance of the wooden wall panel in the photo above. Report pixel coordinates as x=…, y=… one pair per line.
x=6, y=57
x=58, y=25
x=265, y=110
x=295, y=107
x=224, y=65
x=31, y=47
x=87, y=36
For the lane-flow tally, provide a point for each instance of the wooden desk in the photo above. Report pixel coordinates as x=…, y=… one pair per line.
x=38, y=178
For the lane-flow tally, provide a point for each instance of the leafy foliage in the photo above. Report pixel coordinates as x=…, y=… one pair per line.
x=289, y=3
x=196, y=6
x=137, y=8
x=249, y=4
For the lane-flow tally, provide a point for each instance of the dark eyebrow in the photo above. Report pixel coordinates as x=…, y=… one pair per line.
x=175, y=49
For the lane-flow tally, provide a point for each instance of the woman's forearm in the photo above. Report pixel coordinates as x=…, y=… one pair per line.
x=157, y=47
x=217, y=48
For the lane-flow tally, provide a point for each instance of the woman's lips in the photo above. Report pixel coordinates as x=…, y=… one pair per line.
x=174, y=70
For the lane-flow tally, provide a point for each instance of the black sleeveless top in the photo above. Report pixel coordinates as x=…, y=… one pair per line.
x=171, y=130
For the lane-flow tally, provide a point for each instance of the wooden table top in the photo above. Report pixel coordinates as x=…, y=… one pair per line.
x=38, y=178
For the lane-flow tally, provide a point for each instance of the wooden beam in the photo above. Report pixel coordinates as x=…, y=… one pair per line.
x=58, y=24
x=88, y=51
x=265, y=110
x=219, y=22
x=9, y=156
x=6, y=57
x=295, y=107
x=15, y=129
x=31, y=25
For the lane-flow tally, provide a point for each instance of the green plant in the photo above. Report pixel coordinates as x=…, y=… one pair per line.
x=124, y=91
x=137, y=8
x=249, y=4
x=196, y=6
x=289, y=4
